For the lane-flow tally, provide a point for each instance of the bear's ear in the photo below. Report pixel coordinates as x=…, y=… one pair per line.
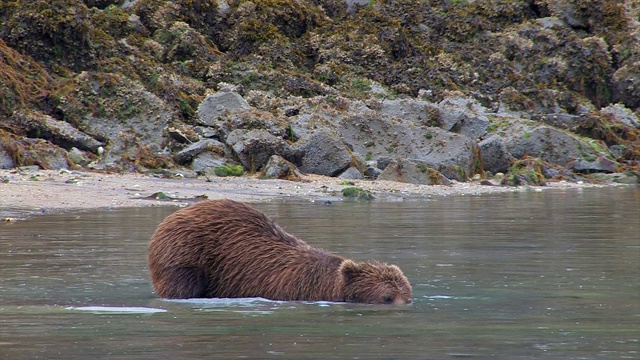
x=350, y=270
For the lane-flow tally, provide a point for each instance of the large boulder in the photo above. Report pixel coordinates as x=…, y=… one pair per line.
x=598, y=164
x=227, y=111
x=323, y=154
x=419, y=111
x=463, y=115
x=413, y=172
x=351, y=173
x=207, y=161
x=253, y=119
x=494, y=154
x=374, y=135
x=253, y=148
x=619, y=112
x=217, y=105
x=279, y=168
x=557, y=147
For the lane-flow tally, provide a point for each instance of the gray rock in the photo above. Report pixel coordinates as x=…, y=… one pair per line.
x=58, y=132
x=253, y=148
x=464, y=116
x=249, y=119
x=494, y=154
x=413, y=172
x=216, y=105
x=279, y=168
x=599, y=164
x=324, y=154
x=620, y=113
x=187, y=154
x=351, y=173
x=372, y=172
x=78, y=157
x=304, y=125
x=554, y=146
x=373, y=134
x=180, y=136
x=205, y=131
x=255, y=119
x=383, y=162
x=50, y=157
x=418, y=111
x=19, y=151
x=455, y=156
x=205, y=162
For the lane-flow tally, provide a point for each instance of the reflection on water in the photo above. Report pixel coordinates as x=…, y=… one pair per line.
x=553, y=275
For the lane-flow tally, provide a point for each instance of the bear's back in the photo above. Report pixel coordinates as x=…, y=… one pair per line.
x=214, y=222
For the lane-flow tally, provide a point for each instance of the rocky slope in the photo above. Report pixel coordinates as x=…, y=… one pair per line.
x=417, y=91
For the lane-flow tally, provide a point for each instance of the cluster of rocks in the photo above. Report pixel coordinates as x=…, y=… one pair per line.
x=404, y=139
x=407, y=140
x=386, y=90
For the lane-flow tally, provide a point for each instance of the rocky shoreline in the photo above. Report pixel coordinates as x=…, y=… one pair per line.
x=510, y=92
x=29, y=192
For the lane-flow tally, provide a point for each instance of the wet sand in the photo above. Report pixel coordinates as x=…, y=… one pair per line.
x=27, y=192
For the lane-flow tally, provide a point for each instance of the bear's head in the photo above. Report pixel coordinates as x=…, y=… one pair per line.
x=374, y=283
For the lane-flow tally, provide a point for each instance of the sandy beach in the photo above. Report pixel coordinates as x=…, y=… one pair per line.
x=26, y=192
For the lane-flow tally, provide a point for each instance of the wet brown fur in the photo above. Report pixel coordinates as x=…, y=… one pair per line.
x=223, y=248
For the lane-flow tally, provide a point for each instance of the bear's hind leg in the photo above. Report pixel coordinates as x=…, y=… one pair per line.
x=183, y=283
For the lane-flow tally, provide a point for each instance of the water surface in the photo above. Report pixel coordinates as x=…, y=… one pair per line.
x=533, y=275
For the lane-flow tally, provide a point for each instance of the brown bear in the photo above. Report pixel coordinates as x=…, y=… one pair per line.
x=227, y=249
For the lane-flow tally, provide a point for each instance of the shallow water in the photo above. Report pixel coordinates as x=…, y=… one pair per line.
x=533, y=275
